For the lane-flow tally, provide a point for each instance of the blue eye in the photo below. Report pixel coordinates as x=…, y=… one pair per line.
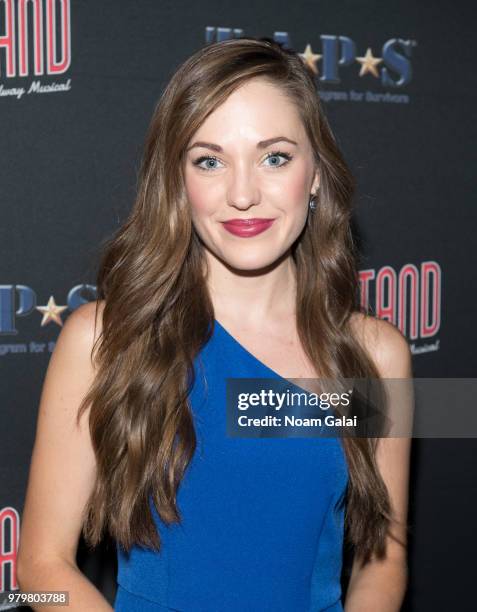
x=212, y=158
x=276, y=154
x=205, y=158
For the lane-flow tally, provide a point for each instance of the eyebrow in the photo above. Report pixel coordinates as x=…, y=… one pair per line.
x=263, y=144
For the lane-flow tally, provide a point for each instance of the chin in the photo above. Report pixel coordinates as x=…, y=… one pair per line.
x=248, y=262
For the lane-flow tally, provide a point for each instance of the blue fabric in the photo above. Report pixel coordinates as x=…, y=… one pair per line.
x=262, y=519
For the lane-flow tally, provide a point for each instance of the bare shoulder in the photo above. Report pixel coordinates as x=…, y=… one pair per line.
x=385, y=343
x=63, y=463
x=78, y=335
x=86, y=321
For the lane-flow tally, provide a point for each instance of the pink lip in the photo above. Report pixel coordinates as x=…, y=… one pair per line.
x=247, y=227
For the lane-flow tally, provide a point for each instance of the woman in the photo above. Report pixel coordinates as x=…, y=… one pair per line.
x=237, y=260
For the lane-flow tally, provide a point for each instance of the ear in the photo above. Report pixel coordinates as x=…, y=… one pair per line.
x=316, y=182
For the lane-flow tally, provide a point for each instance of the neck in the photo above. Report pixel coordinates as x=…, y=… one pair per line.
x=251, y=296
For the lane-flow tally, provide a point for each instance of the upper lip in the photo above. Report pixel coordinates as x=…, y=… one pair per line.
x=250, y=221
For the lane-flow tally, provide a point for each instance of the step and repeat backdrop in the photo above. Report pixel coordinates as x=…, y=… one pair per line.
x=79, y=80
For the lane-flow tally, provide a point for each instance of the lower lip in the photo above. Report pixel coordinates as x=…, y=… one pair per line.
x=246, y=231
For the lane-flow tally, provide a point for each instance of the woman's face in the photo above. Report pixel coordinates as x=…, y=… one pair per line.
x=232, y=173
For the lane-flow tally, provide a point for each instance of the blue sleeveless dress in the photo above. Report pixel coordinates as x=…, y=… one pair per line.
x=262, y=519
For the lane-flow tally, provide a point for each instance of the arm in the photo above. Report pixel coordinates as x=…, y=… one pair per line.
x=380, y=585
x=62, y=473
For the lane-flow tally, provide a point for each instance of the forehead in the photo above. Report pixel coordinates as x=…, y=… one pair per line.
x=256, y=109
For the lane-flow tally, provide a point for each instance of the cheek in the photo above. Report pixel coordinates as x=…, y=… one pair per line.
x=201, y=198
x=294, y=193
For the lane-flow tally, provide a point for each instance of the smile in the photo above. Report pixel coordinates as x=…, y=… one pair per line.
x=246, y=228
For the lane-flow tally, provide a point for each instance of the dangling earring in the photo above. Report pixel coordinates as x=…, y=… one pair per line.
x=312, y=202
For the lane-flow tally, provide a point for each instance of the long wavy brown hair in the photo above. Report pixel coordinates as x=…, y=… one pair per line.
x=158, y=313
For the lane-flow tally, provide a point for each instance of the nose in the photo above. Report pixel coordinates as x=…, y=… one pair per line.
x=243, y=191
